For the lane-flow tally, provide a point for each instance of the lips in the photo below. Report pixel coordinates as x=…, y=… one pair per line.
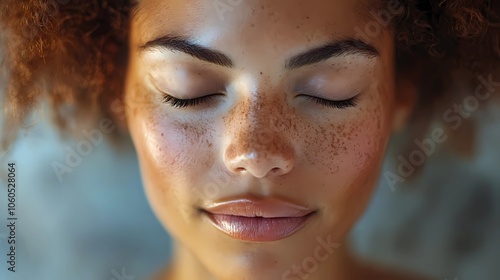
x=262, y=220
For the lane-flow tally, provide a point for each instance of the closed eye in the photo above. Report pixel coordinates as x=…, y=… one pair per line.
x=338, y=104
x=184, y=103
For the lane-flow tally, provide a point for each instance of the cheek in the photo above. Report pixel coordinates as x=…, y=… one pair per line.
x=174, y=148
x=168, y=148
x=172, y=155
x=176, y=151
x=354, y=148
x=366, y=140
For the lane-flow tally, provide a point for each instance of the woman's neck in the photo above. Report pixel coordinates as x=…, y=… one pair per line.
x=341, y=265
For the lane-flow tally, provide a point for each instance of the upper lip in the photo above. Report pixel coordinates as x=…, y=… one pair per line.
x=265, y=208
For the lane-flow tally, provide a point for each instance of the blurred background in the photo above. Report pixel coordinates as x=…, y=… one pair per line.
x=92, y=221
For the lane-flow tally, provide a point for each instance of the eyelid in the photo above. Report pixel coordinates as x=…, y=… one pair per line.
x=211, y=86
x=330, y=85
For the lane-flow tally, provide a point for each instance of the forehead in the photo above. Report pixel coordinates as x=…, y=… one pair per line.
x=257, y=35
x=275, y=19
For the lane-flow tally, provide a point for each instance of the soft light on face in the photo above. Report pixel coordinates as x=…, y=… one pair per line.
x=266, y=119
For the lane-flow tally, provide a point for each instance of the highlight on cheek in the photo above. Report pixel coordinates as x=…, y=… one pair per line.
x=173, y=147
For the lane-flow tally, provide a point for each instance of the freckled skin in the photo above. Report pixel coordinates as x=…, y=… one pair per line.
x=260, y=139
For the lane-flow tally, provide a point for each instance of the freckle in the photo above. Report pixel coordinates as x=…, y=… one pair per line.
x=261, y=73
x=162, y=134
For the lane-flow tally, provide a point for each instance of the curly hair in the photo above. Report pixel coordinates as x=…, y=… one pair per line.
x=74, y=53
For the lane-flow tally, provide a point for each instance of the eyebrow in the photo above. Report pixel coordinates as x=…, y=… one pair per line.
x=183, y=45
x=329, y=50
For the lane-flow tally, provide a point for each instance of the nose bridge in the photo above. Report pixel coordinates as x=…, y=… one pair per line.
x=258, y=143
x=259, y=121
x=258, y=130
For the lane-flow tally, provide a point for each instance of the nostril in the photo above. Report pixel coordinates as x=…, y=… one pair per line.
x=280, y=170
x=240, y=170
x=257, y=164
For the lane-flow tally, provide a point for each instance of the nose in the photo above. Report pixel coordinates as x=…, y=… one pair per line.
x=258, y=146
x=259, y=164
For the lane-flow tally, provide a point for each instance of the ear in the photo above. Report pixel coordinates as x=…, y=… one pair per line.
x=404, y=101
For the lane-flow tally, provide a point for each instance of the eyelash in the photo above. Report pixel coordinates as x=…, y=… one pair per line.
x=338, y=104
x=184, y=103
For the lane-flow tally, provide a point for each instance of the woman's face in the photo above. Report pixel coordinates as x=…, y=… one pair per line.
x=282, y=145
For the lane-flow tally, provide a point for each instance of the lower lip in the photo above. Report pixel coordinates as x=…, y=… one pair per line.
x=257, y=229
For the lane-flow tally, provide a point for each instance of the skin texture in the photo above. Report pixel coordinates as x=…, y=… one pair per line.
x=261, y=139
